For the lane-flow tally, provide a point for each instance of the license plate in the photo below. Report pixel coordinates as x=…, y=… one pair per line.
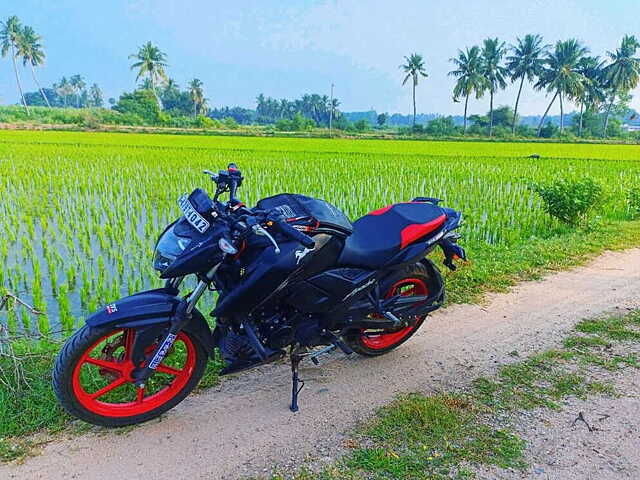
x=196, y=220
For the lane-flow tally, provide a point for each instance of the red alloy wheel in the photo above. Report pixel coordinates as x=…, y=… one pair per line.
x=128, y=400
x=380, y=340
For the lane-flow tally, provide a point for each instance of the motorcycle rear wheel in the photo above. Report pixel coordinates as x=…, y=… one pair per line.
x=92, y=377
x=414, y=280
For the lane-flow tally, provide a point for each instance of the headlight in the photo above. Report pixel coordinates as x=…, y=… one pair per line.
x=168, y=248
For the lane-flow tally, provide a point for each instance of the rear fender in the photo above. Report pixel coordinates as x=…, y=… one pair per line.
x=150, y=313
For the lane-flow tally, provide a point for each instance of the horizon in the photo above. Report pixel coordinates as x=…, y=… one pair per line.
x=240, y=52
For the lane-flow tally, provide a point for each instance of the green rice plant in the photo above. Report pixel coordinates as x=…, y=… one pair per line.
x=633, y=201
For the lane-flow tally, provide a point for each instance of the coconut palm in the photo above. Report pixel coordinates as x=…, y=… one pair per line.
x=197, y=96
x=414, y=68
x=95, y=96
x=623, y=72
x=525, y=62
x=30, y=49
x=78, y=84
x=560, y=75
x=150, y=63
x=10, y=32
x=592, y=94
x=170, y=85
x=64, y=89
x=494, y=72
x=470, y=78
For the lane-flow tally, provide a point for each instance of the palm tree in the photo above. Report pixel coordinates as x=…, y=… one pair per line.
x=526, y=61
x=30, y=49
x=64, y=89
x=470, y=77
x=623, y=73
x=592, y=93
x=170, y=85
x=78, y=84
x=494, y=73
x=561, y=76
x=414, y=68
x=197, y=95
x=10, y=32
x=95, y=95
x=150, y=63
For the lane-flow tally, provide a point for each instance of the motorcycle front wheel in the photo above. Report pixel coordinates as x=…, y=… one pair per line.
x=92, y=377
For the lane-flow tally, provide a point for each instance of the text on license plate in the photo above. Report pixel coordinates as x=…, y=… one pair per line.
x=193, y=217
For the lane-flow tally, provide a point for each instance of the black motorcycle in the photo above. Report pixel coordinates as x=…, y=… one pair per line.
x=291, y=274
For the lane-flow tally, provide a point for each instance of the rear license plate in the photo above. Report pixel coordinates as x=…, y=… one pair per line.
x=196, y=220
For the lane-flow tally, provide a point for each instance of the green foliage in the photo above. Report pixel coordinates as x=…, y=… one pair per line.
x=362, y=125
x=205, y=122
x=502, y=117
x=141, y=103
x=315, y=107
x=633, y=201
x=298, y=123
x=570, y=201
x=549, y=130
x=441, y=126
x=230, y=123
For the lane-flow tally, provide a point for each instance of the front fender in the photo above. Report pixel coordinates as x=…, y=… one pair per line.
x=150, y=308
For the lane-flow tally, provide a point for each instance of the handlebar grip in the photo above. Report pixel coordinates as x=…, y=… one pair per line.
x=297, y=235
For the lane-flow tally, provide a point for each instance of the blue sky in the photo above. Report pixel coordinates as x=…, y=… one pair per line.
x=286, y=48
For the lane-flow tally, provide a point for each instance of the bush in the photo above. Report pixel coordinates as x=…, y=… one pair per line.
x=230, y=123
x=570, y=201
x=633, y=201
x=298, y=123
x=141, y=103
x=204, y=122
x=441, y=126
x=549, y=130
x=362, y=125
x=90, y=120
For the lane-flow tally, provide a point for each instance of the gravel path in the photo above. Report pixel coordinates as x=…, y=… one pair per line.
x=244, y=427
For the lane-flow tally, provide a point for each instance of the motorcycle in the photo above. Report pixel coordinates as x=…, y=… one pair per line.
x=292, y=275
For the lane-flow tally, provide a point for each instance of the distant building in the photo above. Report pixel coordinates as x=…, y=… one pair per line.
x=631, y=128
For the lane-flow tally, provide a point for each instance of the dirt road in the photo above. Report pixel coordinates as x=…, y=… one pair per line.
x=244, y=426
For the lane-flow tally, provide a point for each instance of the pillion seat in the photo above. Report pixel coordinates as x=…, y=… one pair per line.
x=381, y=234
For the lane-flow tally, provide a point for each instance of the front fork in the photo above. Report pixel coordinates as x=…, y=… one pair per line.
x=178, y=322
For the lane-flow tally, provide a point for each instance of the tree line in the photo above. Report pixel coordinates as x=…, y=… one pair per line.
x=564, y=71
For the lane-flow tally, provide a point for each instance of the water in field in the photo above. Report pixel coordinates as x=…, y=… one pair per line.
x=80, y=212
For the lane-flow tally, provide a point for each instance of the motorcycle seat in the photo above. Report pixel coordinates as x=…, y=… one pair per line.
x=381, y=234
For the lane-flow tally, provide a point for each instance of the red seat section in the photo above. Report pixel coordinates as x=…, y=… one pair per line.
x=415, y=231
x=381, y=234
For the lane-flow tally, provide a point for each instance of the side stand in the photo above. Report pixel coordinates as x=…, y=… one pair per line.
x=296, y=383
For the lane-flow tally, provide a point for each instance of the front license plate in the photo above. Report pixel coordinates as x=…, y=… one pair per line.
x=196, y=220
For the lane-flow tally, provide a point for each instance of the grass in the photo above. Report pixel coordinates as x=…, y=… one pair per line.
x=446, y=435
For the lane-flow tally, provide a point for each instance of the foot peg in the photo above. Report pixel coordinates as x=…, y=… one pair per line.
x=392, y=318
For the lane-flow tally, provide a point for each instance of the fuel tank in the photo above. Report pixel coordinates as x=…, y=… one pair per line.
x=269, y=274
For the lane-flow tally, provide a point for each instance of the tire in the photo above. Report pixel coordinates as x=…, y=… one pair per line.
x=76, y=368
x=366, y=344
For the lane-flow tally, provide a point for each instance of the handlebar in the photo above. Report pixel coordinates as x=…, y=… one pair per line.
x=296, y=235
x=228, y=181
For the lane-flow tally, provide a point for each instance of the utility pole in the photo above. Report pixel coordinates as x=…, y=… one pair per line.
x=331, y=111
